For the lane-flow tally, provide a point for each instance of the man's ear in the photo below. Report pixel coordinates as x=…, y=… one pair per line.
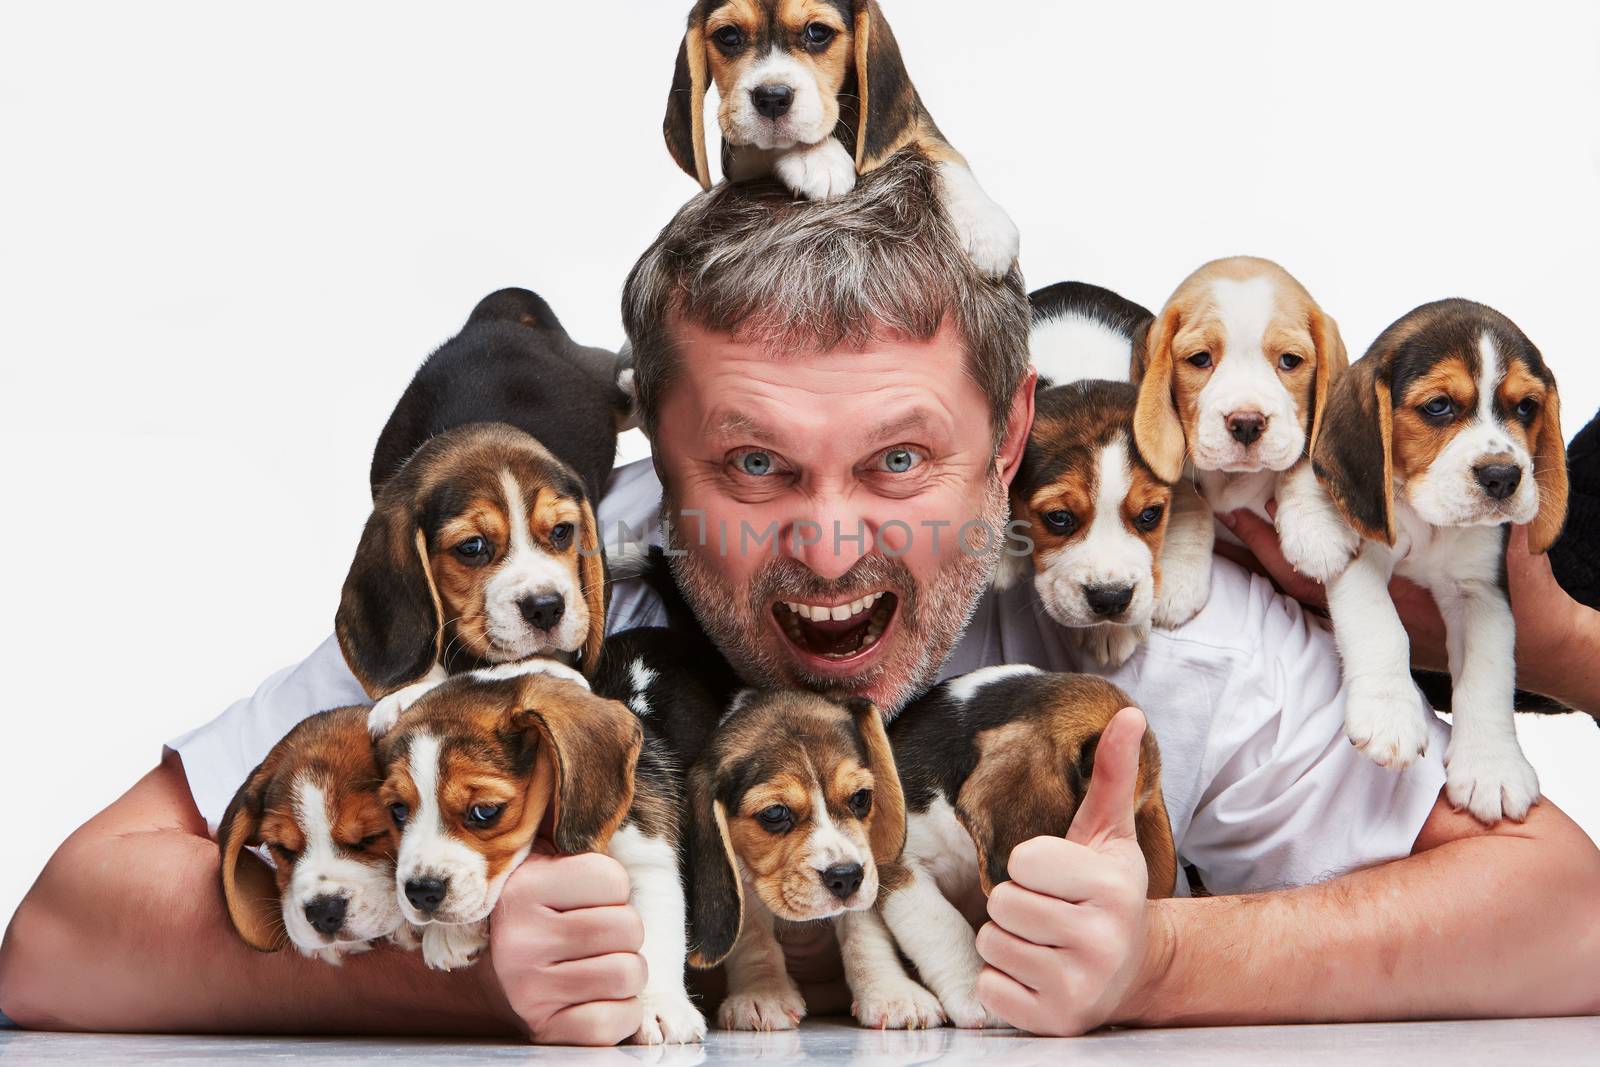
x=1019, y=424
x=389, y=622
x=714, y=888
x=888, y=825
x=1550, y=473
x=685, y=124
x=593, y=745
x=1332, y=362
x=1354, y=453
x=1157, y=430
x=889, y=103
x=592, y=577
x=249, y=890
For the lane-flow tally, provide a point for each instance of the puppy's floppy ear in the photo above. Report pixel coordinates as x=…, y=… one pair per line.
x=888, y=828
x=715, y=890
x=1354, y=454
x=888, y=99
x=592, y=578
x=1550, y=473
x=685, y=125
x=593, y=746
x=1332, y=362
x=1157, y=430
x=389, y=622
x=249, y=889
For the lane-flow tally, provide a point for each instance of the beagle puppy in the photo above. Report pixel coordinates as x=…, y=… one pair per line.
x=1235, y=374
x=795, y=815
x=1114, y=546
x=815, y=92
x=470, y=773
x=1445, y=433
x=313, y=803
x=987, y=761
x=481, y=549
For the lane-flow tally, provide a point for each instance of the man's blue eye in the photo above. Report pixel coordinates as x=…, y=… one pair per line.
x=899, y=460
x=756, y=463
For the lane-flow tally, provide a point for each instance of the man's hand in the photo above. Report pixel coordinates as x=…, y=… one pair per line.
x=1069, y=937
x=564, y=951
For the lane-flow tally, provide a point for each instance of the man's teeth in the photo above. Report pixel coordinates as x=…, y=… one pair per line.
x=837, y=613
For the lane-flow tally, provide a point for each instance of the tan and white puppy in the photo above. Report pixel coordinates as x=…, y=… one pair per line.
x=482, y=549
x=1445, y=433
x=313, y=802
x=473, y=769
x=795, y=815
x=1106, y=531
x=1235, y=375
x=815, y=92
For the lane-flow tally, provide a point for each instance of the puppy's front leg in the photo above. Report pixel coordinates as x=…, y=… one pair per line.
x=761, y=995
x=1315, y=539
x=386, y=712
x=1486, y=772
x=1185, y=558
x=938, y=939
x=990, y=237
x=449, y=946
x=1383, y=714
x=670, y=1017
x=817, y=171
x=886, y=997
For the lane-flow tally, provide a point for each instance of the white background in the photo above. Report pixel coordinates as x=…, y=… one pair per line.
x=229, y=233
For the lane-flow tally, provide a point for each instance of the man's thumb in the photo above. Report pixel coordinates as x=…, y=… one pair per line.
x=1107, y=808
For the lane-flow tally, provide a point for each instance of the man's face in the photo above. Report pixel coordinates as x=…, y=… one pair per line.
x=821, y=501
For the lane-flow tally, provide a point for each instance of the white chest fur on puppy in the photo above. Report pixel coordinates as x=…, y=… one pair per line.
x=1446, y=432
x=817, y=94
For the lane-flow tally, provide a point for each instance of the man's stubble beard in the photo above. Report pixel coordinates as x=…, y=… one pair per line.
x=930, y=621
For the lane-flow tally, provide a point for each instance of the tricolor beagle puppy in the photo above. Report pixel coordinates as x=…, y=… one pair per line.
x=482, y=549
x=313, y=802
x=1115, y=547
x=1235, y=374
x=815, y=92
x=794, y=815
x=987, y=761
x=1444, y=434
x=473, y=769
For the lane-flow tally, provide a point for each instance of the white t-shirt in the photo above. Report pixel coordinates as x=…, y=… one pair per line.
x=1245, y=701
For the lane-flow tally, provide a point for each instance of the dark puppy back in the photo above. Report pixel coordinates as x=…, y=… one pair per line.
x=1093, y=302
x=512, y=363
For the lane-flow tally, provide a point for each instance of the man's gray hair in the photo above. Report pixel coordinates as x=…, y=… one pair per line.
x=751, y=261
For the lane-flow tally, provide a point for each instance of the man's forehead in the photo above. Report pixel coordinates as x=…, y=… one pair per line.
x=732, y=426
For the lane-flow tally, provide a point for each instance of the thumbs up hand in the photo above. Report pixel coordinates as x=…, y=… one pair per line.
x=1068, y=935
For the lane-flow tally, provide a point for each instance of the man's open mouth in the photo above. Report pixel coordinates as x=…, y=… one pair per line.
x=837, y=631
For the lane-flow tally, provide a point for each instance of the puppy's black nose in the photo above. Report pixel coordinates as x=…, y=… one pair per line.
x=1246, y=426
x=773, y=101
x=1108, y=600
x=426, y=894
x=1499, y=480
x=842, y=879
x=543, y=611
x=326, y=914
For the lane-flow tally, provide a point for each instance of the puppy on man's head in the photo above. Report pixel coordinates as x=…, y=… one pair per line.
x=815, y=92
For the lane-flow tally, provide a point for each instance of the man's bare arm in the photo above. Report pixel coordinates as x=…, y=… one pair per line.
x=125, y=930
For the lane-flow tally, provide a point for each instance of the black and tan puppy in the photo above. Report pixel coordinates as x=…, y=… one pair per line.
x=815, y=92
x=313, y=802
x=987, y=761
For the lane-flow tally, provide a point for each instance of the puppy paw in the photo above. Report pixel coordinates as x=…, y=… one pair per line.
x=406, y=937
x=449, y=947
x=1385, y=721
x=387, y=711
x=1107, y=646
x=965, y=1012
x=670, y=1018
x=987, y=233
x=818, y=171
x=1184, y=591
x=770, y=1006
x=1490, y=780
x=900, y=1004
x=1315, y=540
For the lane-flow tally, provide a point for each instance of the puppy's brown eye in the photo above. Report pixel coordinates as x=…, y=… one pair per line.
x=1201, y=360
x=1439, y=409
x=861, y=803
x=1289, y=361
x=284, y=855
x=1148, y=519
x=1526, y=409
x=399, y=813
x=561, y=535
x=366, y=842
x=729, y=38
x=474, y=551
x=483, y=816
x=818, y=35
x=776, y=819
x=1060, y=522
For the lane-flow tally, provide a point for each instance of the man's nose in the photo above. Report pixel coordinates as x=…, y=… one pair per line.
x=831, y=541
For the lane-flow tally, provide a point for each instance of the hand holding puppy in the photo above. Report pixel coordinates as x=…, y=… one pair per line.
x=1068, y=940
